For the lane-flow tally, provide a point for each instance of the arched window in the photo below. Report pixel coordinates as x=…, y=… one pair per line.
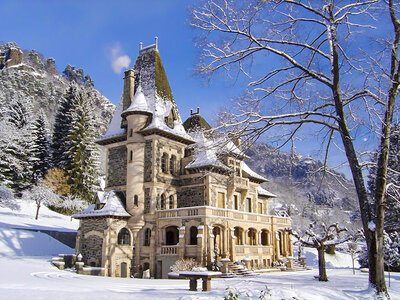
x=147, y=236
x=239, y=235
x=172, y=165
x=193, y=235
x=124, y=237
x=163, y=201
x=136, y=200
x=252, y=236
x=171, y=202
x=164, y=163
x=264, y=238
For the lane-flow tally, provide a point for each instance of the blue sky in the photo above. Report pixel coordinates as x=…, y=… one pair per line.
x=93, y=34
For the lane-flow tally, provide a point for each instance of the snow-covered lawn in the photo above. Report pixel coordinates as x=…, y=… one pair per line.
x=26, y=272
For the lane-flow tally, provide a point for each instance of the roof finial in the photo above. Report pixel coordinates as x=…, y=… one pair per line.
x=140, y=46
x=191, y=111
x=156, y=38
x=198, y=109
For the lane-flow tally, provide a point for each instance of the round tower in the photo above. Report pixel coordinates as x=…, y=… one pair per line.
x=136, y=116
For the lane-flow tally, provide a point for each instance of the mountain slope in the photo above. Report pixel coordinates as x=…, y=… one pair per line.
x=27, y=75
x=303, y=190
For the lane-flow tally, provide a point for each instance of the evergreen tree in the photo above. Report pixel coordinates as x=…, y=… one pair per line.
x=81, y=155
x=392, y=214
x=61, y=128
x=16, y=145
x=40, y=147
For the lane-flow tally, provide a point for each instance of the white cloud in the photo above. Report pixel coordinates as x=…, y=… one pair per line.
x=119, y=60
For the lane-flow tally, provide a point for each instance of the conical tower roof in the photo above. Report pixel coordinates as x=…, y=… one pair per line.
x=139, y=104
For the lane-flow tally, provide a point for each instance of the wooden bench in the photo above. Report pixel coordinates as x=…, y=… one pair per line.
x=194, y=276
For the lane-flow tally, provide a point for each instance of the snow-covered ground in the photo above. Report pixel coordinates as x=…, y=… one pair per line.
x=26, y=272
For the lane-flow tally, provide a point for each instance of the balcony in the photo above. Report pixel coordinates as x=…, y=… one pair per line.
x=169, y=250
x=241, y=183
x=209, y=211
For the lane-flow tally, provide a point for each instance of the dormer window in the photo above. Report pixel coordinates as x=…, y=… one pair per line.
x=170, y=119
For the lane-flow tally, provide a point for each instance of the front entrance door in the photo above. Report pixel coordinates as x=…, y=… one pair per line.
x=124, y=270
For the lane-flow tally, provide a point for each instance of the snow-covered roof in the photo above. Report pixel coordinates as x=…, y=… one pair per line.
x=139, y=103
x=263, y=192
x=205, y=153
x=114, y=129
x=161, y=109
x=251, y=173
x=113, y=206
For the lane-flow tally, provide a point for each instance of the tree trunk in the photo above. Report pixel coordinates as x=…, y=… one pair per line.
x=376, y=274
x=37, y=211
x=322, y=264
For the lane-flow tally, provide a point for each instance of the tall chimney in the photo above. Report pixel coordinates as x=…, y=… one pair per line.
x=129, y=88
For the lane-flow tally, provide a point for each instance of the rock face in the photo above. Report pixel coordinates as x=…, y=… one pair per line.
x=26, y=75
x=308, y=194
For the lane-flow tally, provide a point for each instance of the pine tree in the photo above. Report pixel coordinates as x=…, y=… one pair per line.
x=40, y=147
x=81, y=155
x=61, y=128
x=16, y=144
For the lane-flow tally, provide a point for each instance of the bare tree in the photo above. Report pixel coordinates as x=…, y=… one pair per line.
x=329, y=236
x=310, y=60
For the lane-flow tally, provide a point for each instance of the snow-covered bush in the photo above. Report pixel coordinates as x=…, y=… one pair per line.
x=391, y=248
x=69, y=204
x=186, y=264
x=7, y=197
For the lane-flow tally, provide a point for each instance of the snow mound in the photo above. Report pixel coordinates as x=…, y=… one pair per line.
x=333, y=261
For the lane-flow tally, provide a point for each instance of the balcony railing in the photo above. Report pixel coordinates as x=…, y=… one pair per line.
x=169, y=250
x=253, y=249
x=209, y=211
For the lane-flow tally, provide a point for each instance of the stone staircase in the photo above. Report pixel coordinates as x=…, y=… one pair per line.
x=240, y=270
x=297, y=266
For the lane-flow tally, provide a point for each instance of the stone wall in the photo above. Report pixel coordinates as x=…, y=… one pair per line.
x=116, y=166
x=91, y=250
x=147, y=161
x=193, y=196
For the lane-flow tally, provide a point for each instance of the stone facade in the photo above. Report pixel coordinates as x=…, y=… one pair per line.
x=175, y=210
x=116, y=175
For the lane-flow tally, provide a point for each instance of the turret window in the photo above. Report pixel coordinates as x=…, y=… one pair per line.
x=136, y=200
x=130, y=156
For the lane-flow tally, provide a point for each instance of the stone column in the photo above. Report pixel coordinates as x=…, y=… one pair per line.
x=233, y=244
x=210, y=254
x=200, y=244
x=246, y=262
x=182, y=243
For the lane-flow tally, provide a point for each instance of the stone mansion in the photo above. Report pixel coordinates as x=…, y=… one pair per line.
x=171, y=195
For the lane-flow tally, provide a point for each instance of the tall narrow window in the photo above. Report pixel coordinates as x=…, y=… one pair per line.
x=260, y=208
x=136, y=200
x=236, y=202
x=147, y=236
x=164, y=163
x=131, y=132
x=171, y=202
x=130, y=155
x=221, y=200
x=248, y=204
x=163, y=204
